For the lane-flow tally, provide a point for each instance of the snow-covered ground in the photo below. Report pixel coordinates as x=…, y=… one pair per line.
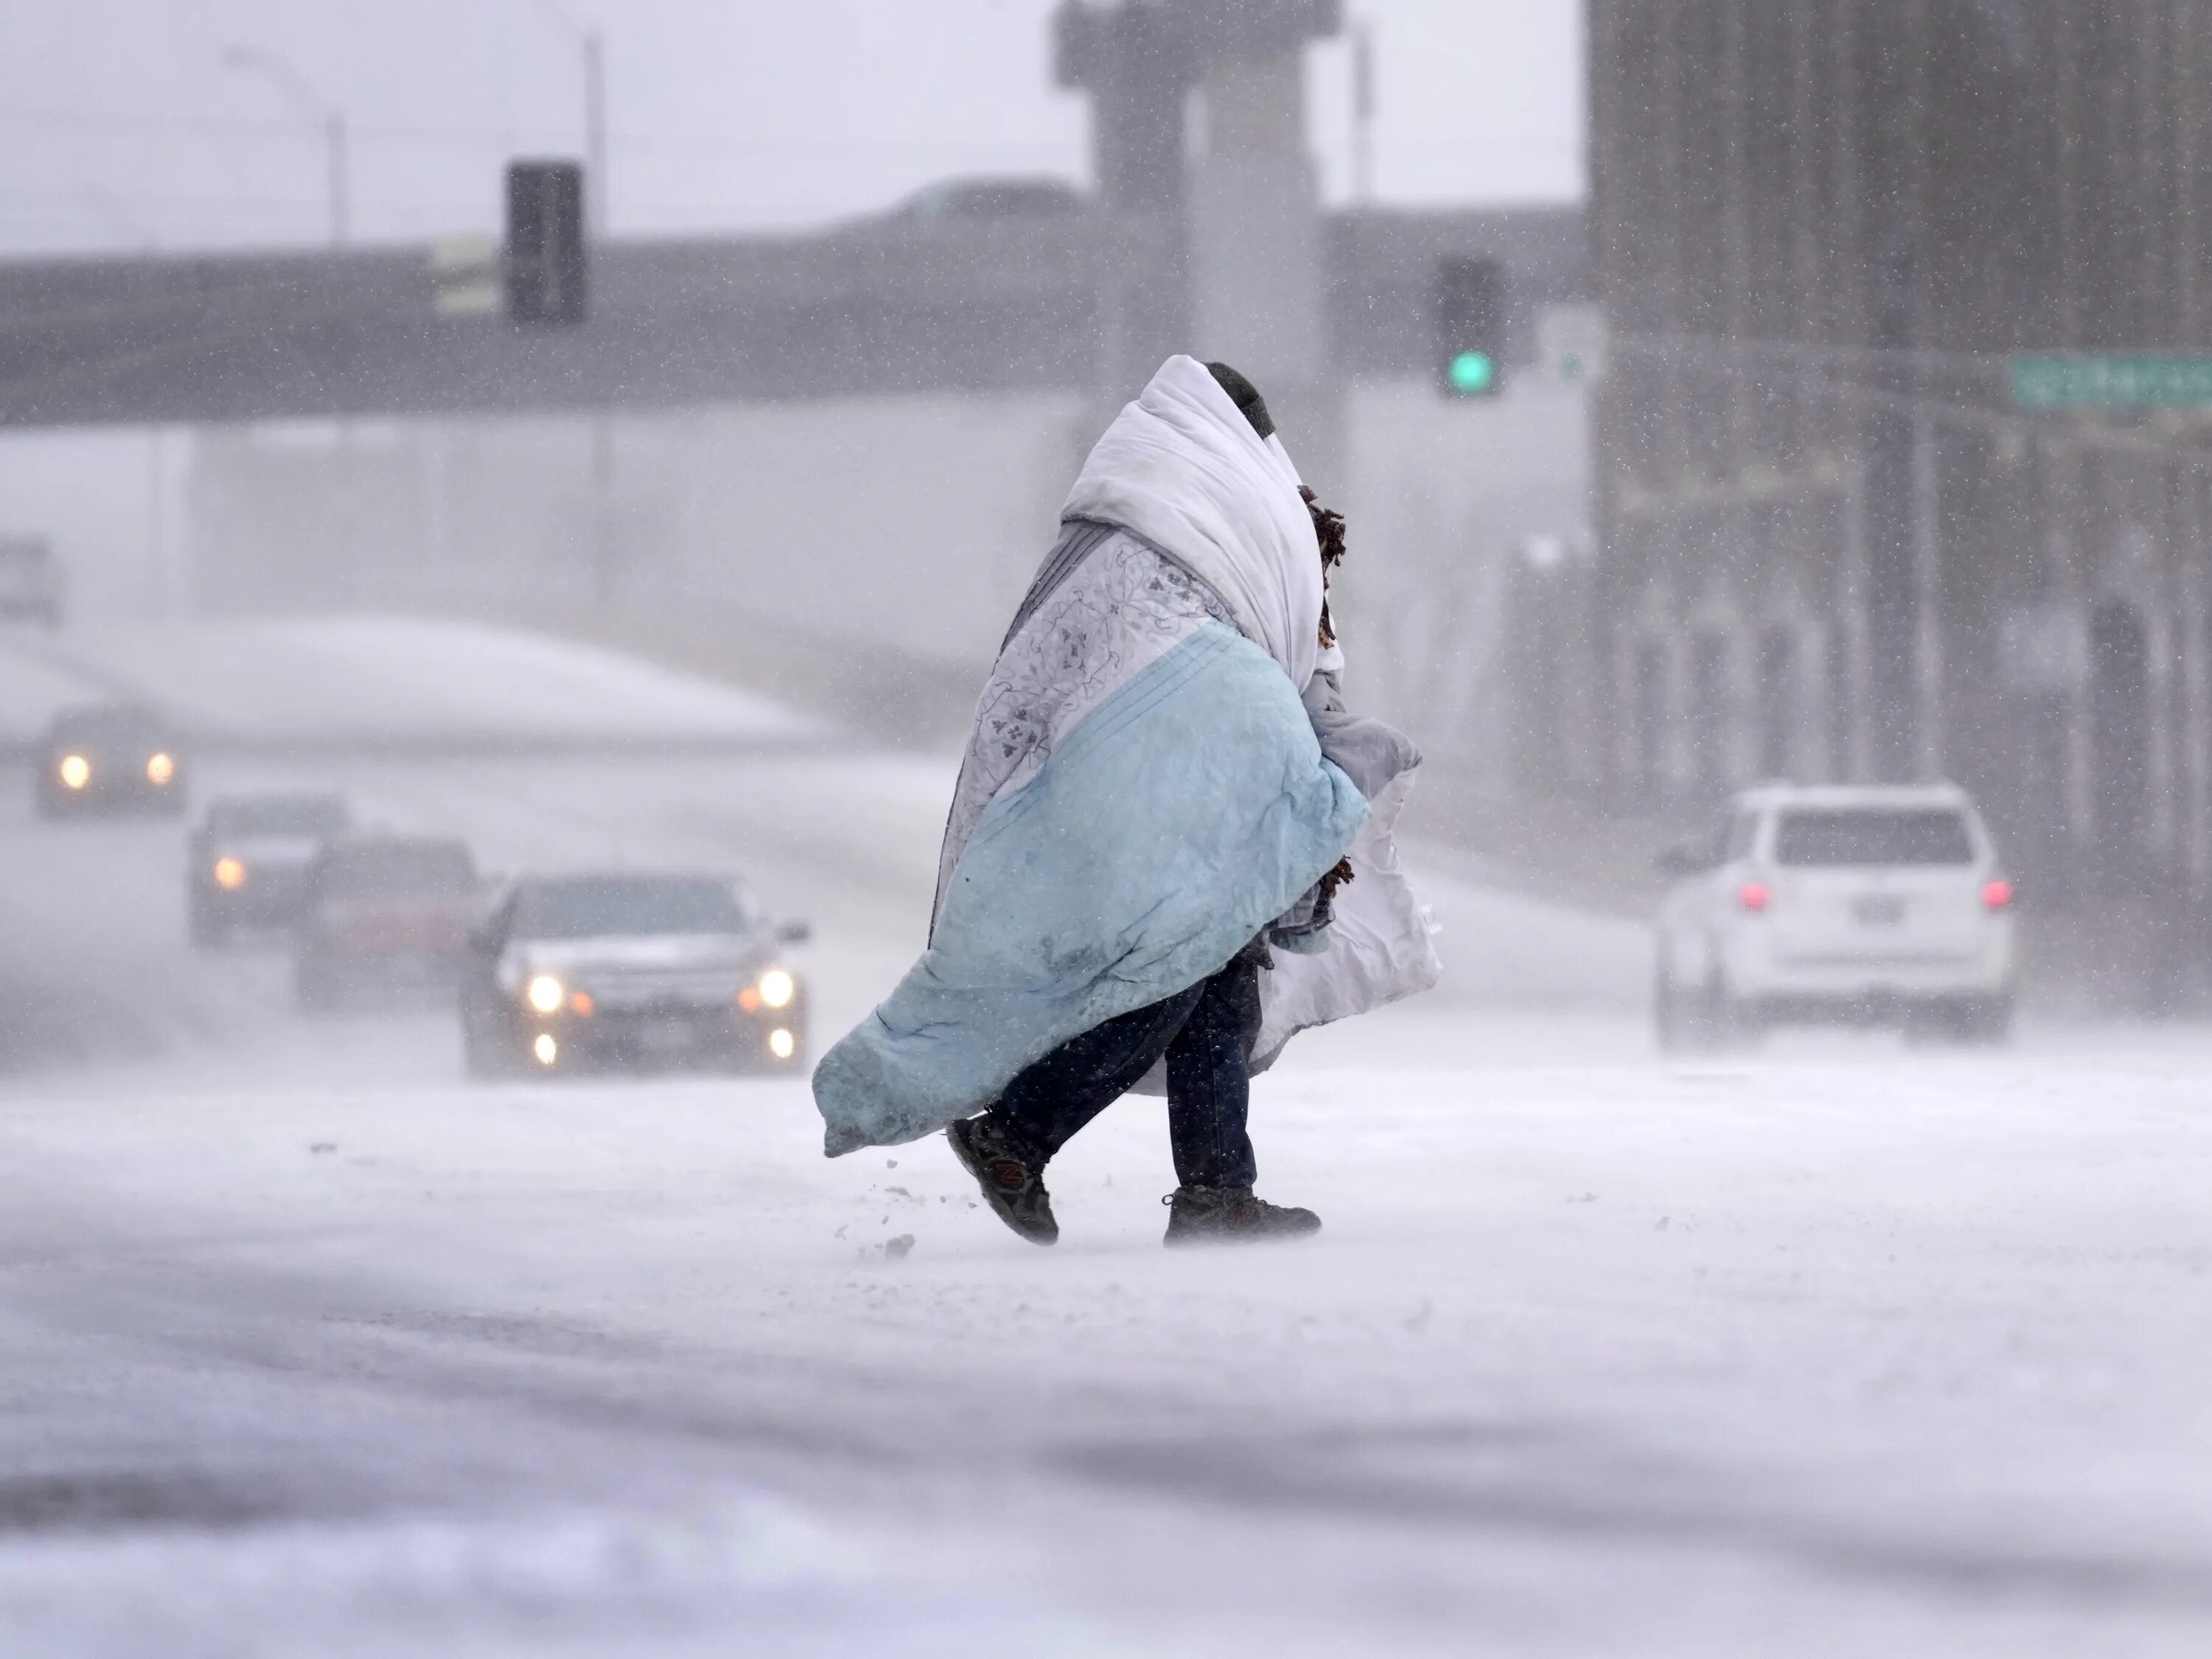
x=35, y=683
x=390, y=680
x=1837, y=1357
x=308, y=1348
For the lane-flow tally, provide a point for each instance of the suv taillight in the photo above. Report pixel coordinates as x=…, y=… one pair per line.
x=1997, y=895
x=1753, y=896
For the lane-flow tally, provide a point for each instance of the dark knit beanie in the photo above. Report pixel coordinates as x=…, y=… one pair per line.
x=1246, y=397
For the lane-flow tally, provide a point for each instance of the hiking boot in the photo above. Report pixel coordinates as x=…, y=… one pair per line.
x=1010, y=1186
x=1231, y=1215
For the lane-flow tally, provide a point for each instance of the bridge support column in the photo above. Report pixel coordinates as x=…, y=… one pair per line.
x=1218, y=254
x=1253, y=233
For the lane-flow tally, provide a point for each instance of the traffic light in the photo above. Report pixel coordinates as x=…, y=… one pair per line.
x=1470, y=327
x=545, y=242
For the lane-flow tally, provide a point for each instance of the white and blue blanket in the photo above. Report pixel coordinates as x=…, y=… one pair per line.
x=1144, y=790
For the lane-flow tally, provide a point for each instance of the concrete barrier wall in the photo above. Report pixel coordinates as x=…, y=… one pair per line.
x=840, y=535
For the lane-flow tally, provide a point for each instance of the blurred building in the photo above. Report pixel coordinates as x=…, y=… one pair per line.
x=1833, y=544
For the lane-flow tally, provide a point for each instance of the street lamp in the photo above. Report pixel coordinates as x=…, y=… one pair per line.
x=157, y=562
x=328, y=117
x=593, y=46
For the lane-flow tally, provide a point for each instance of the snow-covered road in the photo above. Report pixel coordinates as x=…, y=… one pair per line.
x=307, y=1348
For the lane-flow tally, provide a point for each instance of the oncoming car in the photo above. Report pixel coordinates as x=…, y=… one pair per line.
x=632, y=971
x=248, y=863
x=383, y=915
x=1861, y=905
x=113, y=757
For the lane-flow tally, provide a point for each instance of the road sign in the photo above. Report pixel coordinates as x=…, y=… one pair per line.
x=2134, y=379
x=464, y=277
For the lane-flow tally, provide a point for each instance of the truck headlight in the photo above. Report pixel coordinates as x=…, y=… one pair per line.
x=75, y=771
x=545, y=994
x=159, y=768
x=777, y=988
x=230, y=874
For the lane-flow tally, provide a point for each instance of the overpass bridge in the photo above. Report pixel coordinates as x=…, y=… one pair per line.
x=897, y=304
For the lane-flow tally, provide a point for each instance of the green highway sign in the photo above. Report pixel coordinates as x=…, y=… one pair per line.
x=2135, y=379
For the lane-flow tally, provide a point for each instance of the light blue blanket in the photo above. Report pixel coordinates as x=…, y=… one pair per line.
x=1183, y=814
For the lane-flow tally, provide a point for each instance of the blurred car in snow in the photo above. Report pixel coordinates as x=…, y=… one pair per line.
x=30, y=581
x=1850, y=904
x=631, y=971
x=248, y=861
x=110, y=757
x=383, y=915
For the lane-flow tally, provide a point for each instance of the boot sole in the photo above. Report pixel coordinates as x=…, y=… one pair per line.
x=1201, y=1241
x=991, y=1196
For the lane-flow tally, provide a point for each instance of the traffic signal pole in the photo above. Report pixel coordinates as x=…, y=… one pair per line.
x=595, y=217
x=591, y=45
x=595, y=132
x=1363, y=115
x=334, y=137
x=1901, y=525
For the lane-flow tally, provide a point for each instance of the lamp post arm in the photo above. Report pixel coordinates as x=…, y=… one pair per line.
x=592, y=44
x=326, y=115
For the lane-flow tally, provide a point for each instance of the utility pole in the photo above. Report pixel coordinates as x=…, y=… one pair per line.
x=160, y=587
x=1362, y=114
x=334, y=137
x=595, y=133
x=1904, y=591
x=331, y=120
x=592, y=44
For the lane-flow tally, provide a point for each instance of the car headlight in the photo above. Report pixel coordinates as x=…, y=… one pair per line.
x=230, y=874
x=777, y=988
x=75, y=771
x=782, y=1044
x=159, y=768
x=545, y=994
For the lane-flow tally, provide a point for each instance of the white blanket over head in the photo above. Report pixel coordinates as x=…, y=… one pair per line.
x=1183, y=468
x=1144, y=791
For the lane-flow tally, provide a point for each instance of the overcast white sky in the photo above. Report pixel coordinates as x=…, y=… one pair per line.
x=119, y=124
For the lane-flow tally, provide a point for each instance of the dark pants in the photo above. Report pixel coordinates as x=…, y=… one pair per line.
x=1206, y=1032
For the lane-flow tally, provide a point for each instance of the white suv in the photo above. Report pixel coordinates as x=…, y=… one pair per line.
x=1857, y=904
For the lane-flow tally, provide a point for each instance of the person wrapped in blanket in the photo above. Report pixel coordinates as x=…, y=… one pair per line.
x=1171, y=847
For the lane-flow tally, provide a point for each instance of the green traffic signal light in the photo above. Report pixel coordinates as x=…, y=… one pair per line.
x=1473, y=374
